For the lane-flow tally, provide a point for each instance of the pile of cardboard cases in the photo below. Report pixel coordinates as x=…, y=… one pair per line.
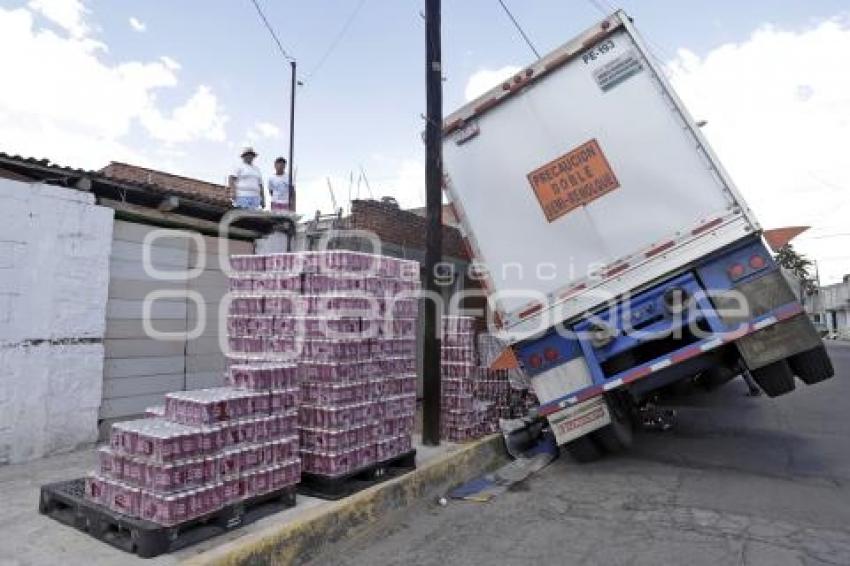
x=474, y=397
x=205, y=449
x=349, y=320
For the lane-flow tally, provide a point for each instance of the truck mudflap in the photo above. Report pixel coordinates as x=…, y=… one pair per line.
x=579, y=420
x=778, y=315
x=778, y=341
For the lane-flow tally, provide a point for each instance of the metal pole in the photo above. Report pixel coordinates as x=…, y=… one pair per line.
x=434, y=226
x=292, y=137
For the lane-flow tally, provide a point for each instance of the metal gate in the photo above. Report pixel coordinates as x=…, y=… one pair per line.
x=139, y=368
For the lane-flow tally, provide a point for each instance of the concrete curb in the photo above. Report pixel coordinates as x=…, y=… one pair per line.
x=305, y=537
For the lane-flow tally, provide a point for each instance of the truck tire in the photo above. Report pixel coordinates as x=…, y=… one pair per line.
x=615, y=437
x=775, y=379
x=812, y=366
x=583, y=449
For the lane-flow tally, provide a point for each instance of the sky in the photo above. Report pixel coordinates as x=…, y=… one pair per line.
x=183, y=85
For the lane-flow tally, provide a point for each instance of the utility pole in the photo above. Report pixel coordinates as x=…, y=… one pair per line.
x=434, y=227
x=292, y=135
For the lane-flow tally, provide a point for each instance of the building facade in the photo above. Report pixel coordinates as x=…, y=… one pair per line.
x=834, y=304
x=80, y=253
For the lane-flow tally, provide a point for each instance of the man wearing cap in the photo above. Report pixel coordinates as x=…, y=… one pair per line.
x=246, y=182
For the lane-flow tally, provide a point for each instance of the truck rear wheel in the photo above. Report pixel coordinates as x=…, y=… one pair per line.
x=812, y=366
x=583, y=449
x=775, y=379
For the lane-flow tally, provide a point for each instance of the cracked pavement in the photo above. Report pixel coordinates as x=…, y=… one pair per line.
x=739, y=480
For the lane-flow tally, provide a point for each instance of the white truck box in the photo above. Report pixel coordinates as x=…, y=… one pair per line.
x=584, y=177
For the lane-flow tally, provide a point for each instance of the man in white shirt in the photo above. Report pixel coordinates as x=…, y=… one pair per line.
x=246, y=182
x=279, y=189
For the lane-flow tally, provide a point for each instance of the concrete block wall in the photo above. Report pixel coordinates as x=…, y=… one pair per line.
x=54, y=273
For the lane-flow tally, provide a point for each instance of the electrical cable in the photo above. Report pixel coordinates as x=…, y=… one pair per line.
x=606, y=8
x=519, y=28
x=269, y=27
x=335, y=43
x=825, y=236
x=602, y=9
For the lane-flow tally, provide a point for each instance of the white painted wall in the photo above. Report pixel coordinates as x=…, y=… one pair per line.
x=54, y=274
x=49, y=399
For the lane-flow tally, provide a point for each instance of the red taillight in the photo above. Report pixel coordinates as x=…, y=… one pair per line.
x=535, y=361
x=757, y=262
x=736, y=271
x=551, y=354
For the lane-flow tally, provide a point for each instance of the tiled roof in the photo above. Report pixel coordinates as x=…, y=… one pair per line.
x=8, y=158
x=176, y=184
x=148, y=180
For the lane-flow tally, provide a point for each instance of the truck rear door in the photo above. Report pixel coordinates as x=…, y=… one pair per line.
x=583, y=174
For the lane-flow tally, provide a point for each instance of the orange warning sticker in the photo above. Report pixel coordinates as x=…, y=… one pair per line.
x=574, y=179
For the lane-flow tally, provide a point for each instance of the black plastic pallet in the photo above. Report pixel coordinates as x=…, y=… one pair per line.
x=336, y=487
x=65, y=502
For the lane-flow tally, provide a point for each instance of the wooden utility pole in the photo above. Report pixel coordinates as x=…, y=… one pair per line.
x=434, y=227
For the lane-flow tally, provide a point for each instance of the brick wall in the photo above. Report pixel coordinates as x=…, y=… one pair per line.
x=401, y=227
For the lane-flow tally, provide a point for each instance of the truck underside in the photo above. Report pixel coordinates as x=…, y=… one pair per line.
x=730, y=313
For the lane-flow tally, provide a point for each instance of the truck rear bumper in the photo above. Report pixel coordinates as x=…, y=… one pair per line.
x=689, y=352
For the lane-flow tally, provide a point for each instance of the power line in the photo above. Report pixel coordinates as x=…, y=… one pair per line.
x=269, y=27
x=606, y=8
x=602, y=9
x=826, y=236
x=519, y=28
x=333, y=45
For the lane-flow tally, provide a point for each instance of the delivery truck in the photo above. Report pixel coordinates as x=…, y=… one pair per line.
x=617, y=254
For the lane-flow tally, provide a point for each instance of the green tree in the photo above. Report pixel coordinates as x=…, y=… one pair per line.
x=799, y=265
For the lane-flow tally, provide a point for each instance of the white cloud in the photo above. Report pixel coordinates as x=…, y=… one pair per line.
x=200, y=117
x=267, y=130
x=137, y=24
x=68, y=14
x=87, y=121
x=483, y=80
x=779, y=118
x=405, y=182
x=264, y=137
x=170, y=63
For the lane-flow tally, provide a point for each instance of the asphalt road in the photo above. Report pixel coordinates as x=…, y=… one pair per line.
x=739, y=480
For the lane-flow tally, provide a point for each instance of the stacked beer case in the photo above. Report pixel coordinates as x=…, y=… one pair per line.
x=462, y=416
x=209, y=448
x=508, y=389
x=349, y=319
x=474, y=397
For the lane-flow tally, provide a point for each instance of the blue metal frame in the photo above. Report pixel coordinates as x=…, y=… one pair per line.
x=647, y=311
x=649, y=369
x=647, y=306
x=567, y=349
x=713, y=272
